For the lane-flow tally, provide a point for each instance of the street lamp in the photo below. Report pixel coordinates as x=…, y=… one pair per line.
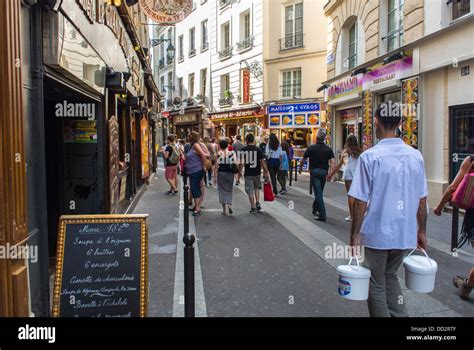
x=163, y=89
x=170, y=50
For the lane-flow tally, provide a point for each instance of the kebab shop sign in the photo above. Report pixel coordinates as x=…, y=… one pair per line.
x=345, y=87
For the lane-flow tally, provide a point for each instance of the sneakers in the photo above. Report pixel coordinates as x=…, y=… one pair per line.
x=253, y=211
x=283, y=191
x=171, y=193
x=229, y=209
x=348, y=219
x=464, y=289
x=237, y=183
x=258, y=207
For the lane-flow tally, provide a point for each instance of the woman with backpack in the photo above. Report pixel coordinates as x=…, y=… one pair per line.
x=284, y=166
x=274, y=155
x=224, y=170
x=171, y=157
x=462, y=283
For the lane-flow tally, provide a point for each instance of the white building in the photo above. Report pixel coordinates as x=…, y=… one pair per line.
x=192, y=82
x=236, y=49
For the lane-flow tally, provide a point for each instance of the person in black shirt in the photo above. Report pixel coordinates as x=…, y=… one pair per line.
x=171, y=167
x=253, y=159
x=321, y=157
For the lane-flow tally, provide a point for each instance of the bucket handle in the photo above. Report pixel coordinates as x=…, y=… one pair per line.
x=424, y=252
x=357, y=260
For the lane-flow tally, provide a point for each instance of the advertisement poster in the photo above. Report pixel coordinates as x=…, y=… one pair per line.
x=303, y=115
x=409, y=120
x=367, y=122
x=144, y=132
x=245, y=86
x=80, y=131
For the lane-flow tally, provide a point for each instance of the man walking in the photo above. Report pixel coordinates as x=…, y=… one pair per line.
x=252, y=157
x=171, y=157
x=237, y=147
x=389, y=213
x=321, y=157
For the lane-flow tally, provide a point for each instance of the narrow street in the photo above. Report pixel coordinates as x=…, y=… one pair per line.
x=275, y=263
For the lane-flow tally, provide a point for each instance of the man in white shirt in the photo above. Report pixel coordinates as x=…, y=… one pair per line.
x=390, y=211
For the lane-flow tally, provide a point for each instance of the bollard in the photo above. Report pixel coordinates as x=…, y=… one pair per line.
x=186, y=208
x=296, y=169
x=455, y=229
x=188, y=240
x=291, y=171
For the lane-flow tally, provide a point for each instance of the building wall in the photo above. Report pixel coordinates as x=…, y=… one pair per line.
x=311, y=57
x=158, y=55
x=232, y=14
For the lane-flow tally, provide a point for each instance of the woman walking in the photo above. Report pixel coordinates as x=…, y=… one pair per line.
x=224, y=172
x=212, y=154
x=462, y=283
x=351, y=152
x=284, y=167
x=194, y=165
x=274, y=157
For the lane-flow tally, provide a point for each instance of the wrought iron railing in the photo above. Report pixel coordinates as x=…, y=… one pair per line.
x=292, y=41
x=245, y=43
x=225, y=52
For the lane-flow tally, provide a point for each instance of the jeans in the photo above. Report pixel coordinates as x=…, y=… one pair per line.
x=385, y=295
x=273, y=170
x=281, y=177
x=318, y=180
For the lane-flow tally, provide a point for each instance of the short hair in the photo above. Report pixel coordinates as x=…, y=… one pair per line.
x=249, y=138
x=223, y=143
x=321, y=135
x=238, y=137
x=389, y=115
x=170, y=138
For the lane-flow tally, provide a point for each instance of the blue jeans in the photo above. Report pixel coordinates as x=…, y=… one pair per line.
x=318, y=180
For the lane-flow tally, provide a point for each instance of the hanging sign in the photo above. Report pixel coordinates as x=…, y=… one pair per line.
x=167, y=11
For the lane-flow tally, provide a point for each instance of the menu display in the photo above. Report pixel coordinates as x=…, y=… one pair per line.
x=101, y=268
x=367, y=126
x=80, y=131
x=410, y=112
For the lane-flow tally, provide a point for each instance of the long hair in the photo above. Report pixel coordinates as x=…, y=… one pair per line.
x=286, y=147
x=273, y=143
x=194, y=137
x=352, y=146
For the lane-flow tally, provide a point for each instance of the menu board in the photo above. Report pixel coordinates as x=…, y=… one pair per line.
x=101, y=268
x=80, y=131
x=367, y=122
x=410, y=112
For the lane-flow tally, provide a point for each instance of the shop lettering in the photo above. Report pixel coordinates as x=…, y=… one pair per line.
x=382, y=79
x=89, y=8
x=344, y=87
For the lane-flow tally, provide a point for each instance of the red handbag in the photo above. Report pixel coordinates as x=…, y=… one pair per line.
x=463, y=197
x=268, y=195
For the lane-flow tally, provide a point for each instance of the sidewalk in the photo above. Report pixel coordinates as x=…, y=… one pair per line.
x=272, y=263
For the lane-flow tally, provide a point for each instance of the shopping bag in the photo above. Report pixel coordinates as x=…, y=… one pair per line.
x=268, y=195
x=463, y=197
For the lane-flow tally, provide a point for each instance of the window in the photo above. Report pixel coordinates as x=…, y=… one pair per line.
x=291, y=87
x=192, y=42
x=460, y=8
x=226, y=95
x=170, y=33
x=246, y=38
x=246, y=24
x=352, y=57
x=204, y=36
x=180, y=87
x=162, y=46
x=170, y=85
x=293, y=27
x=180, y=48
x=394, y=24
x=226, y=48
x=203, y=81
x=162, y=83
x=191, y=85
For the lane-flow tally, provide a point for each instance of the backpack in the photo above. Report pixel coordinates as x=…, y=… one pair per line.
x=173, y=157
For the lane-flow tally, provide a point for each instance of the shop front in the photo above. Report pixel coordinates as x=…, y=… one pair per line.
x=298, y=122
x=183, y=124
x=238, y=122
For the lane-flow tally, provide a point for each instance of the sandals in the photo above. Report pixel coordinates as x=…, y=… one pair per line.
x=196, y=213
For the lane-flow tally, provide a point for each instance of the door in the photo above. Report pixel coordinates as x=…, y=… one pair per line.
x=462, y=136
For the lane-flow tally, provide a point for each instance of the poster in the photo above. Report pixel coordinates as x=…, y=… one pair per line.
x=80, y=131
x=410, y=112
x=367, y=122
x=144, y=133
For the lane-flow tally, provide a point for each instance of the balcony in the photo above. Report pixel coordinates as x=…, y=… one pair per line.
x=226, y=99
x=246, y=43
x=161, y=63
x=204, y=47
x=290, y=91
x=224, y=3
x=169, y=60
x=292, y=41
x=192, y=52
x=225, y=53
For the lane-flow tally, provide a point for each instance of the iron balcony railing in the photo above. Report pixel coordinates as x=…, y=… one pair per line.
x=169, y=60
x=161, y=63
x=245, y=43
x=292, y=41
x=192, y=52
x=225, y=53
x=204, y=47
x=225, y=100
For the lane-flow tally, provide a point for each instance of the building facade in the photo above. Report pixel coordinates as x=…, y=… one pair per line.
x=294, y=67
x=412, y=52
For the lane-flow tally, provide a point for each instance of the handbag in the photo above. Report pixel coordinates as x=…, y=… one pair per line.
x=463, y=197
x=207, y=164
x=268, y=195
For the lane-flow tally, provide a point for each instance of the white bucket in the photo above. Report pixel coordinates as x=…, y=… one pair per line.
x=353, y=281
x=420, y=272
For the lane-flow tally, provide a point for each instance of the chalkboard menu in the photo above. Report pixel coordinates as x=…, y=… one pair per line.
x=101, y=268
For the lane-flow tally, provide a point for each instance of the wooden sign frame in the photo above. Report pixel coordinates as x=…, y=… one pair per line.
x=65, y=220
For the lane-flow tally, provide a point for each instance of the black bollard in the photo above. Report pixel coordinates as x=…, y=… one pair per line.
x=186, y=208
x=296, y=169
x=188, y=240
x=291, y=171
x=454, y=228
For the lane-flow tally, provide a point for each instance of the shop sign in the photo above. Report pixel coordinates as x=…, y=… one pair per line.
x=410, y=112
x=242, y=113
x=245, y=86
x=144, y=133
x=367, y=122
x=344, y=87
x=294, y=108
x=167, y=11
x=80, y=131
x=184, y=119
x=306, y=115
x=392, y=71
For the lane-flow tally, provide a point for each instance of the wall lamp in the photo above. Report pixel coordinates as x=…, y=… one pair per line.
x=394, y=57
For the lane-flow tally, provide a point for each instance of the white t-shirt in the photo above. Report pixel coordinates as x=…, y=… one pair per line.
x=272, y=153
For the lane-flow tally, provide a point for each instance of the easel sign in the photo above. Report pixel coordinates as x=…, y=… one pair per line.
x=102, y=266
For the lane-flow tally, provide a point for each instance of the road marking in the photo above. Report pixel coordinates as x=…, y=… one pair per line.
x=200, y=301
x=316, y=239
x=433, y=243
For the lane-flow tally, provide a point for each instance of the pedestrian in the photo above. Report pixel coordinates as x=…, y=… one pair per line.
x=237, y=147
x=391, y=178
x=321, y=162
x=194, y=165
x=212, y=153
x=181, y=156
x=350, y=156
x=274, y=158
x=463, y=284
x=263, y=144
x=292, y=154
x=171, y=157
x=224, y=171
x=284, y=167
x=253, y=159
